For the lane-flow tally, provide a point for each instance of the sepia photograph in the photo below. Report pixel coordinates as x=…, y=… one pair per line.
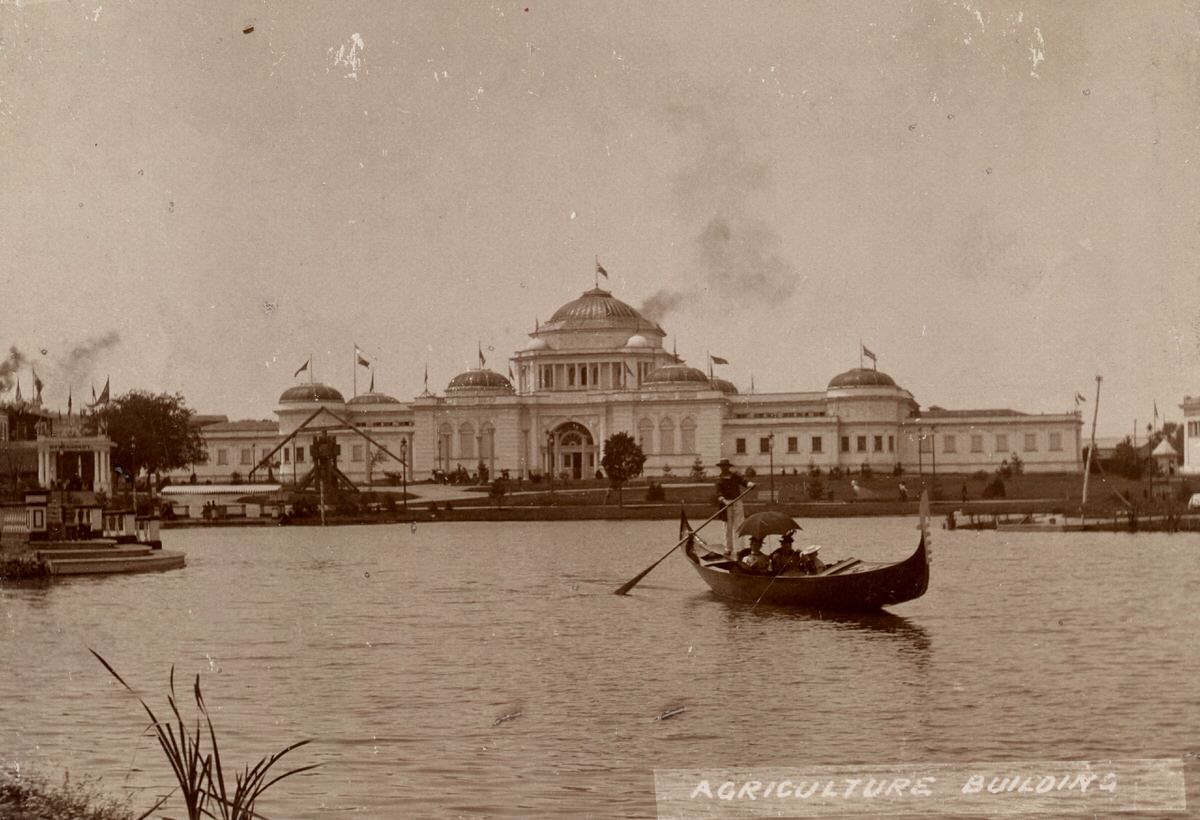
x=679, y=410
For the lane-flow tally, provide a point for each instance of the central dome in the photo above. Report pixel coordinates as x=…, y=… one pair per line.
x=597, y=308
x=373, y=398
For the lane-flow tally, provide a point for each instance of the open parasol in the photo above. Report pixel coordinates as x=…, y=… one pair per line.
x=762, y=524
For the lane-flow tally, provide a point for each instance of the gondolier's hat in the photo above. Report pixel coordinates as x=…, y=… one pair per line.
x=811, y=549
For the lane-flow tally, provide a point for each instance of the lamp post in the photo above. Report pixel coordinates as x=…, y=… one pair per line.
x=404, y=473
x=550, y=456
x=771, y=454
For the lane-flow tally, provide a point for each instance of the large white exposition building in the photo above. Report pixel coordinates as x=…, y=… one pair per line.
x=599, y=367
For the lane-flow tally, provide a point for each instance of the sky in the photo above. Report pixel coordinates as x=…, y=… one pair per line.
x=999, y=199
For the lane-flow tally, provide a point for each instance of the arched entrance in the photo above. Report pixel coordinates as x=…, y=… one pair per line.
x=572, y=450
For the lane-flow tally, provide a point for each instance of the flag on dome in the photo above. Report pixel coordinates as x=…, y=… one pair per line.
x=302, y=367
x=360, y=357
x=371, y=389
x=718, y=359
x=600, y=268
x=482, y=358
x=37, y=385
x=867, y=352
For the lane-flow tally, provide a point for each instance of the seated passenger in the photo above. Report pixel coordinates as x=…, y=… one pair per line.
x=755, y=560
x=810, y=564
x=783, y=558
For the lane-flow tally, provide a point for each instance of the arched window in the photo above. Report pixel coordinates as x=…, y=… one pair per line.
x=466, y=440
x=687, y=435
x=645, y=437
x=666, y=436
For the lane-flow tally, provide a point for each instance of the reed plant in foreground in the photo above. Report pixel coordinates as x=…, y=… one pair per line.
x=200, y=775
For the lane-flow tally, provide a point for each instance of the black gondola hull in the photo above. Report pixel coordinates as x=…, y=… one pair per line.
x=869, y=588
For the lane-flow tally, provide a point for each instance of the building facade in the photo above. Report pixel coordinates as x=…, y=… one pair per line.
x=1191, y=435
x=599, y=367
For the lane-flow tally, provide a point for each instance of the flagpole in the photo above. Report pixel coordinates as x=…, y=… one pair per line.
x=860, y=349
x=354, y=366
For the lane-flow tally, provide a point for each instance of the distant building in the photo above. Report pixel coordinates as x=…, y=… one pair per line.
x=46, y=449
x=1191, y=435
x=599, y=367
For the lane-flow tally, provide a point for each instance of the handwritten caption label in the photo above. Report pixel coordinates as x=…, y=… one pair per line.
x=1152, y=786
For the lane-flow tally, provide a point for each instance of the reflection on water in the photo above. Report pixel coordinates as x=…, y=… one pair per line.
x=507, y=680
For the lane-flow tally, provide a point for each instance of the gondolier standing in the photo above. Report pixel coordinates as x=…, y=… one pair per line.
x=729, y=486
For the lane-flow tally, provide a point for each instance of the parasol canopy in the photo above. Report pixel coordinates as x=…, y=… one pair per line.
x=762, y=524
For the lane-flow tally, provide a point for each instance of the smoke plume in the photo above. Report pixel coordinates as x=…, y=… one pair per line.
x=736, y=254
x=9, y=368
x=77, y=365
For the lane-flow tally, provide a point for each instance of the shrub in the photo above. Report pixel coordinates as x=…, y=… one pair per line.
x=865, y=470
x=994, y=488
x=815, y=488
x=31, y=797
x=697, y=471
x=655, y=492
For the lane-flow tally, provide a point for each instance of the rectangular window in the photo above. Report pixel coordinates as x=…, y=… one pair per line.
x=356, y=452
x=948, y=444
x=816, y=444
x=570, y=375
x=764, y=444
x=862, y=444
x=1030, y=442
x=222, y=457
x=845, y=444
x=739, y=446
x=1056, y=441
x=245, y=455
x=976, y=443
x=793, y=444
x=299, y=455
x=891, y=444
x=879, y=444
x=287, y=456
x=925, y=444
x=1001, y=442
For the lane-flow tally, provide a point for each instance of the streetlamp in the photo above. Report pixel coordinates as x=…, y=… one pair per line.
x=771, y=452
x=404, y=473
x=550, y=456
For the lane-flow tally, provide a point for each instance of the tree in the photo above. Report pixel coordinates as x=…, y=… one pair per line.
x=623, y=460
x=1127, y=461
x=151, y=432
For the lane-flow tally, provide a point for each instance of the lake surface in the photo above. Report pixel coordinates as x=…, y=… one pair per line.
x=398, y=651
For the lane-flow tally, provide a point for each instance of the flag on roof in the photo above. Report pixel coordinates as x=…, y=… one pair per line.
x=302, y=367
x=37, y=384
x=867, y=352
x=360, y=358
x=103, y=394
x=600, y=268
x=717, y=359
x=371, y=389
x=18, y=389
x=69, y=401
x=482, y=358
x=1080, y=397
x=426, y=377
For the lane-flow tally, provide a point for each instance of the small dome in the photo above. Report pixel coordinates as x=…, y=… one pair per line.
x=675, y=374
x=305, y=393
x=638, y=340
x=723, y=385
x=372, y=398
x=537, y=344
x=861, y=377
x=479, y=380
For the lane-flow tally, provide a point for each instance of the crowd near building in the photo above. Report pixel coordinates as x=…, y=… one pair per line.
x=600, y=367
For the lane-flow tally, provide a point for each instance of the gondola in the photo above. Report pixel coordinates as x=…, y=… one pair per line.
x=849, y=584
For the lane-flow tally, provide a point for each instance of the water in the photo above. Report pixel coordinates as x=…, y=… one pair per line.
x=397, y=652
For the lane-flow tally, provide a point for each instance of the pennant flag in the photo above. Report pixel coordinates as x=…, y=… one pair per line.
x=1156, y=411
x=426, y=377
x=37, y=385
x=751, y=382
x=1080, y=397
x=482, y=358
x=866, y=352
x=103, y=394
x=93, y=394
x=600, y=268
x=68, y=401
x=718, y=359
x=510, y=373
x=19, y=389
x=360, y=358
x=371, y=389
x=302, y=367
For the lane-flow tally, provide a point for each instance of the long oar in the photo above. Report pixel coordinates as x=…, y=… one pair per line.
x=632, y=582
